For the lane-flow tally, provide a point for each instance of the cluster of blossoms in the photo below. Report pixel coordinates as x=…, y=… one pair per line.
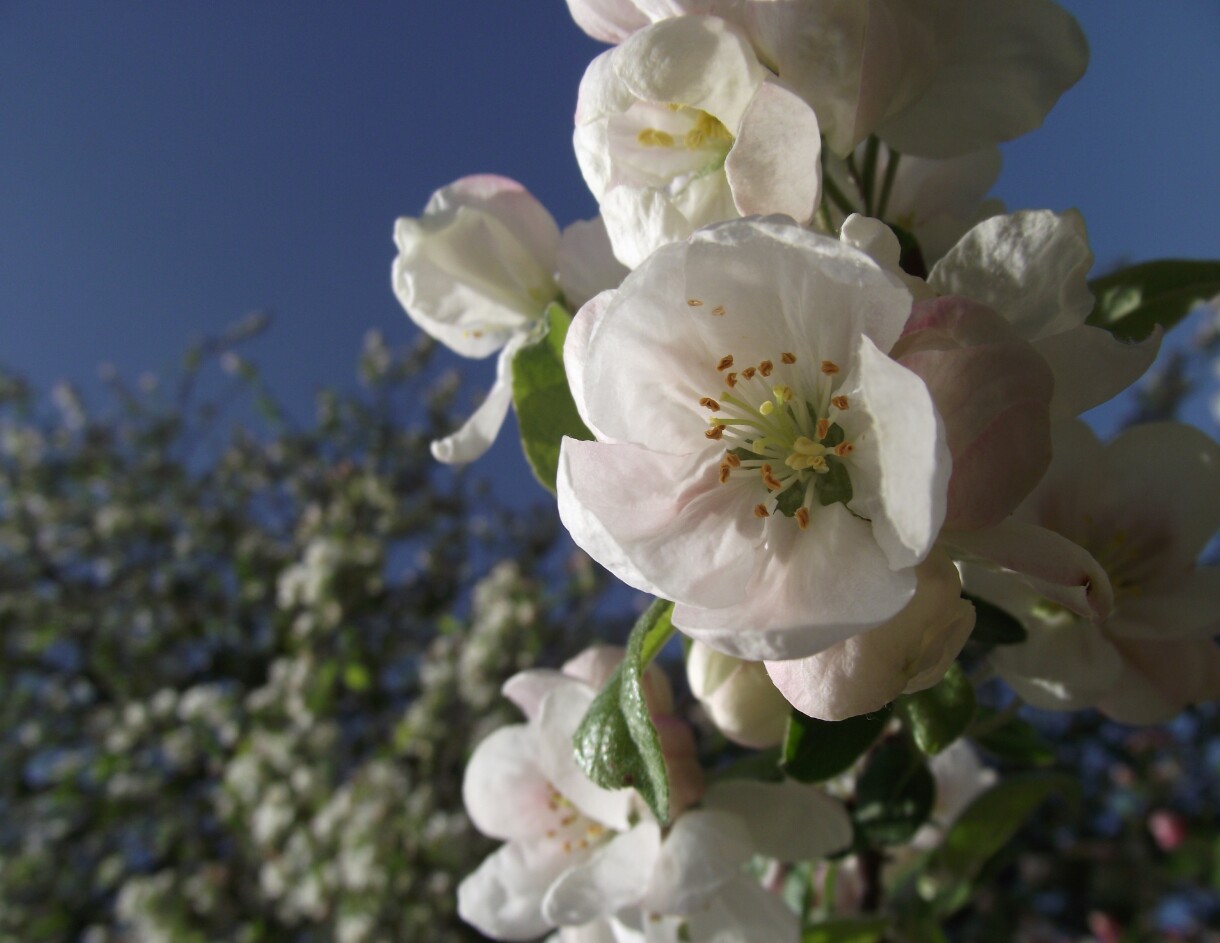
x=828, y=396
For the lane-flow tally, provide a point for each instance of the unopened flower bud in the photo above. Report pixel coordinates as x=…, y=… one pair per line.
x=738, y=696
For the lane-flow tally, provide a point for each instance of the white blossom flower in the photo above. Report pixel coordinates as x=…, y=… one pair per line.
x=595, y=860
x=760, y=460
x=477, y=271
x=1099, y=564
x=738, y=696
x=682, y=126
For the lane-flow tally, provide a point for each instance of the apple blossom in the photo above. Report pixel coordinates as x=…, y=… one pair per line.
x=960, y=778
x=1098, y=563
x=738, y=696
x=477, y=271
x=760, y=460
x=681, y=126
x=582, y=857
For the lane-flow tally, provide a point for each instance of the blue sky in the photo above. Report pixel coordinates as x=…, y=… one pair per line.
x=166, y=168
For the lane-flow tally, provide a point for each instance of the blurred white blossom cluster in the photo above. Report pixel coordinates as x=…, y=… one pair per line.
x=806, y=385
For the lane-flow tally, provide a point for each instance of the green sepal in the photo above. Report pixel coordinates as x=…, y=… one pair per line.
x=616, y=743
x=1134, y=300
x=835, y=485
x=815, y=750
x=789, y=501
x=939, y=715
x=545, y=409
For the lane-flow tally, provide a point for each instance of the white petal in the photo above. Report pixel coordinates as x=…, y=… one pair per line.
x=814, y=588
x=901, y=466
x=661, y=523
x=1092, y=366
x=526, y=689
x=504, y=788
x=613, y=877
x=476, y=435
x=704, y=850
x=773, y=167
x=738, y=697
x=1058, y=568
x=1161, y=678
x=611, y=21
x=575, y=350
x=587, y=265
x=910, y=652
x=560, y=714
x=741, y=910
x=503, y=897
x=787, y=821
x=1066, y=665
x=1032, y=267
x=1008, y=65
x=697, y=61
x=1186, y=606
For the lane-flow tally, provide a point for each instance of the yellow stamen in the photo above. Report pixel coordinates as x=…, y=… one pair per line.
x=767, y=408
x=694, y=302
x=718, y=311
x=654, y=137
x=818, y=464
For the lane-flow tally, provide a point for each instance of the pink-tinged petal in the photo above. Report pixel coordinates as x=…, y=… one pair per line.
x=682, y=767
x=1184, y=606
x=742, y=910
x=1168, y=475
x=503, y=897
x=738, y=697
x=527, y=688
x=1009, y=63
x=1059, y=569
x=560, y=714
x=594, y=665
x=993, y=392
x=613, y=877
x=804, y=597
x=773, y=167
x=610, y=21
x=1092, y=366
x=504, y=788
x=697, y=61
x=901, y=466
x=1031, y=267
x=476, y=435
x=1065, y=665
x=661, y=523
x=1161, y=678
x=640, y=220
x=477, y=266
x=586, y=264
x=703, y=851
x=910, y=652
x=787, y=821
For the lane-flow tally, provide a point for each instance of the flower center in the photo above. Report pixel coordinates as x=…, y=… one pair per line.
x=777, y=422
x=575, y=831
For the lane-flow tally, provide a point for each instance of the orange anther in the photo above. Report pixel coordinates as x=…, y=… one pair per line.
x=839, y=402
x=725, y=362
x=802, y=517
x=766, y=367
x=708, y=403
x=761, y=511
x=787, y=357
x=830, y=367
x=715, y=432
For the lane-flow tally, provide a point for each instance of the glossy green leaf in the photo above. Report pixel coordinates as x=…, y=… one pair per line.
x=1011, y=739
x=616, y=744
x=1134, y=300
x=815, y=750
x=542, y=399
x=938, y=716
x=863, y=930
x=984, y=828
x=894, y=794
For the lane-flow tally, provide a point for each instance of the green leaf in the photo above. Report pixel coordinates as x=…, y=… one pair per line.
x=616, y=744
x=992, y=625
x=1011, y=739
x=542, y=399
x=894, y=795
x=940, y=714
x=984, y=828
x=1134, y=300
x=864, y=930
x=815, y=750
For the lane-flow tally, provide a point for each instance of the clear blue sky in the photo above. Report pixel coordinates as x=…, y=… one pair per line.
x=166, y=167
